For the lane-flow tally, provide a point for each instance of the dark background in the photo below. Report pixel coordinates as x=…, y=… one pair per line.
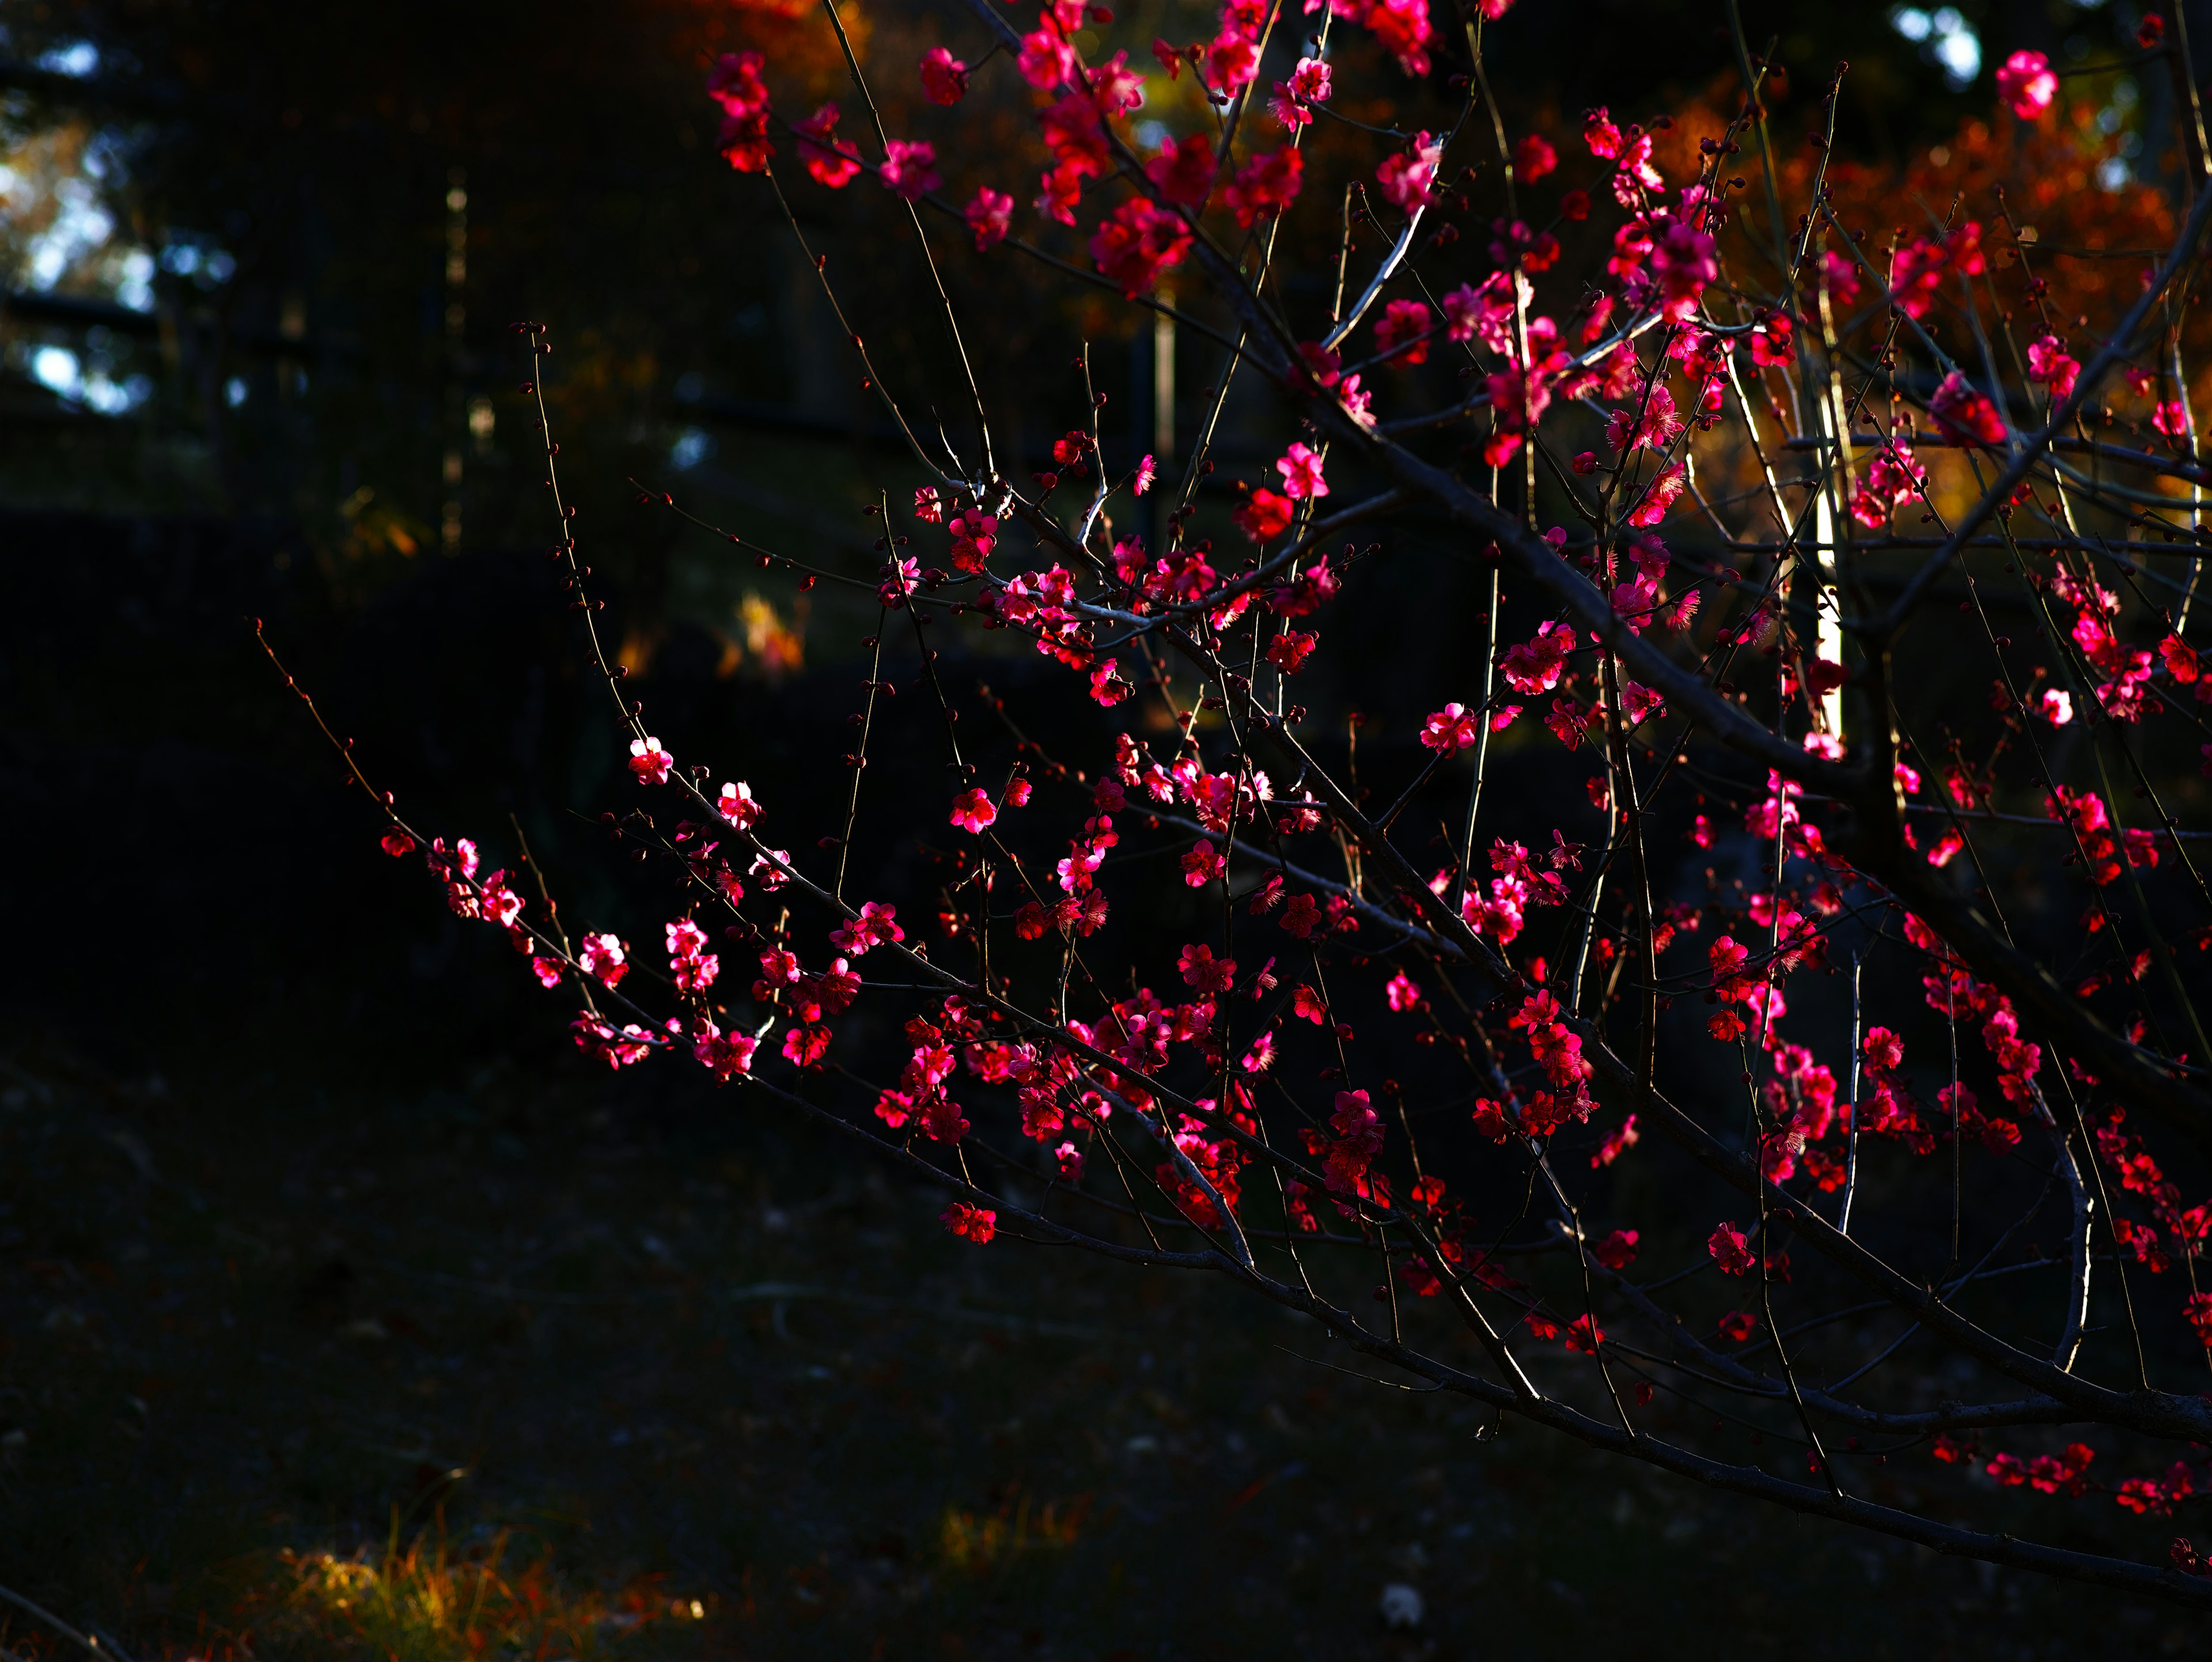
x=263, y=1083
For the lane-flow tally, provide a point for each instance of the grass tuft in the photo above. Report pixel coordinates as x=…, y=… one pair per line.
x=983, y=1543
x=429, y=1601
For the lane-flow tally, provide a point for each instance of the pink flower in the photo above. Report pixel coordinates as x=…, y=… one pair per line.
x=909, y=168
x=1231, y=62
x=723, y=1055
x=1534, y=157
x=1405, y=178
x=1144, y=482
x=604, y=957
x=1882, y=1049
x=2025, y=82
x=2056, y=707
x=1078, y=142
x=1266, y=516
x=1266, y=185
x=633, y=1043
x=1451, y=730
x=1401, y=992
x=1060, y=191
x=1683, y=260
x=744, y=145
x=494, y=904
x=1300, y=467
x=1356, y=405
x=2197, y=1308
x=1513, y=243
x=1301, y=917
x=1843, y=278
x=974, y=535
x=943, y=76
x=876, y=926
x=990, y=215
x=736, y=805
x=1770, y=347
x=1115, y=87
x=1205, y=973
x=901, y=577
x=1916, y=276
x=1737, y=1325
x=547, y=970
x=498, y=904
x=1534, y=665
x=1323, y=368
x=1046, y=58
x=971, y=1222
x=1655, y=425
x=806, y=1046
x=735, y=83
x=1892, y=479
x=1184, y=172
x=1731, y=1250
x=649, y=762
x=1136, y=242
x=1289, y=651
x=1202, y=864
x=1467, y=310
x=1617, y=1143
x=694, y=967
x=1107, y=685
x=1515, y=401
x=1600, y=135
x=1358, y=1139
x=1309, y=85
x=1402, y=29
x=833, y=161
x=2048, y=361
x=463, y=856
x=1964, y=414
x=1405, y=322
x=972, y=810
x=1635, y=170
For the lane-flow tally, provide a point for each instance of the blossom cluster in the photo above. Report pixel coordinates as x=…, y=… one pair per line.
x=1226, y=982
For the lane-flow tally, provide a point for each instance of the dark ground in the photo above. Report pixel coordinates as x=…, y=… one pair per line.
x=266, y=1303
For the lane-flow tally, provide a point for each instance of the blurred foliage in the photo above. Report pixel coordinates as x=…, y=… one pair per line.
x=282, y=183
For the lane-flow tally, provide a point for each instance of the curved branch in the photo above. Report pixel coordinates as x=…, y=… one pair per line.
x=1870, y=790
